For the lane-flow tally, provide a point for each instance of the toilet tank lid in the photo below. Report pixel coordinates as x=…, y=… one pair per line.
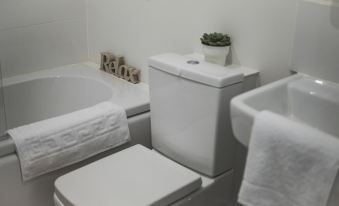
x=196, y=70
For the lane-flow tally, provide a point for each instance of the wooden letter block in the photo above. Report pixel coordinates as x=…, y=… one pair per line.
x=119, y=61
x=122, y=71
x=116, y=66
x=135, y=76
x=106, y=58
x=127, y=75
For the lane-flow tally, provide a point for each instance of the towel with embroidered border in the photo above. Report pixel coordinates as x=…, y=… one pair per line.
x=54, y=143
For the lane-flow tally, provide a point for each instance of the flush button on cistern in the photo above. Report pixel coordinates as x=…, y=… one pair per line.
x=193, y=62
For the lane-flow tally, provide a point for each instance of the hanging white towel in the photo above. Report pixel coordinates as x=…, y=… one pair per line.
x=54, y=143
x=288, y=164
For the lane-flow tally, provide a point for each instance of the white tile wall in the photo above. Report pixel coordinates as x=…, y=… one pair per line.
x=39, y=34
x=316, y=48
x=2, y=108
x=262, y=30
x=17, y=13
x=27, y=49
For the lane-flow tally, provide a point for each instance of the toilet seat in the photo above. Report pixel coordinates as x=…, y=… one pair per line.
x=135, y=176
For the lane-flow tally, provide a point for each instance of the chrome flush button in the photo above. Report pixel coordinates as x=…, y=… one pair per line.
x=193, y=62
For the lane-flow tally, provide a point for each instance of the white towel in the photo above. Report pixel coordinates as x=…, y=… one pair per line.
x=54, y=143
x=288, y=164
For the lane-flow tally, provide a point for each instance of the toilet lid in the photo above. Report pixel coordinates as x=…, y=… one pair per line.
x=135, y=176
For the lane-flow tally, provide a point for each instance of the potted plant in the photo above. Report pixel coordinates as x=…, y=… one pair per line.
x=216, y=47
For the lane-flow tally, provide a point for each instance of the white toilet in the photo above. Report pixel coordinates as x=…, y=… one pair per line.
x=193, y=144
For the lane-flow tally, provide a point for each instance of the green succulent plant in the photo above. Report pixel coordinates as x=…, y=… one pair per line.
x=216, y=39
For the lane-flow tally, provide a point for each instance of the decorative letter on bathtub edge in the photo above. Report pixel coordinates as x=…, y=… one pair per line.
x=116, y=65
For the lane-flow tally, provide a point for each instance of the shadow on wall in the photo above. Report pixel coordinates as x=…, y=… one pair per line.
x=334, y=14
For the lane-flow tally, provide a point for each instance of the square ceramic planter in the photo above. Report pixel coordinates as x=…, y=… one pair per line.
x=215, y=54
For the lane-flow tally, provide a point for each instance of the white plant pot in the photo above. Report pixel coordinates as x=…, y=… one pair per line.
x=216, y=55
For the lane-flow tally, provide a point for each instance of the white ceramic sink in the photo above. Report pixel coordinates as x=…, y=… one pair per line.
x=299, y=97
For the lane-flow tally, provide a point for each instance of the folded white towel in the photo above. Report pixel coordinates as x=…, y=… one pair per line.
x=54, y=143
x=288, y=164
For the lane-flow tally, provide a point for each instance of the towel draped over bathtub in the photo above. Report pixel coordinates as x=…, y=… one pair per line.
x=54, y=143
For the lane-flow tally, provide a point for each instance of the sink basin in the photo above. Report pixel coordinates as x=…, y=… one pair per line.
x=299, y=97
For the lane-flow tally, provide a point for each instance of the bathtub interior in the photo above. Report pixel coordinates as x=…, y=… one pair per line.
x=53, y=92
x=45, y=98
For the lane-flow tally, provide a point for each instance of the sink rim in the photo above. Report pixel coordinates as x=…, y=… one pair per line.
x=240, y=109
x=243, y=115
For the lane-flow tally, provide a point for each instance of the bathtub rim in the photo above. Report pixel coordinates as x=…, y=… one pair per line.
x=7, y=146
x=86, y=70
x=90, y=71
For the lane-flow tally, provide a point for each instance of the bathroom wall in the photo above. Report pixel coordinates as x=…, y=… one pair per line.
x=2, y=108
x=262, y=30
x=39, y=34
x=316, y=47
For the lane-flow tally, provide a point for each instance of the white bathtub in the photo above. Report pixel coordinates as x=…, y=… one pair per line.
x=49, y=93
